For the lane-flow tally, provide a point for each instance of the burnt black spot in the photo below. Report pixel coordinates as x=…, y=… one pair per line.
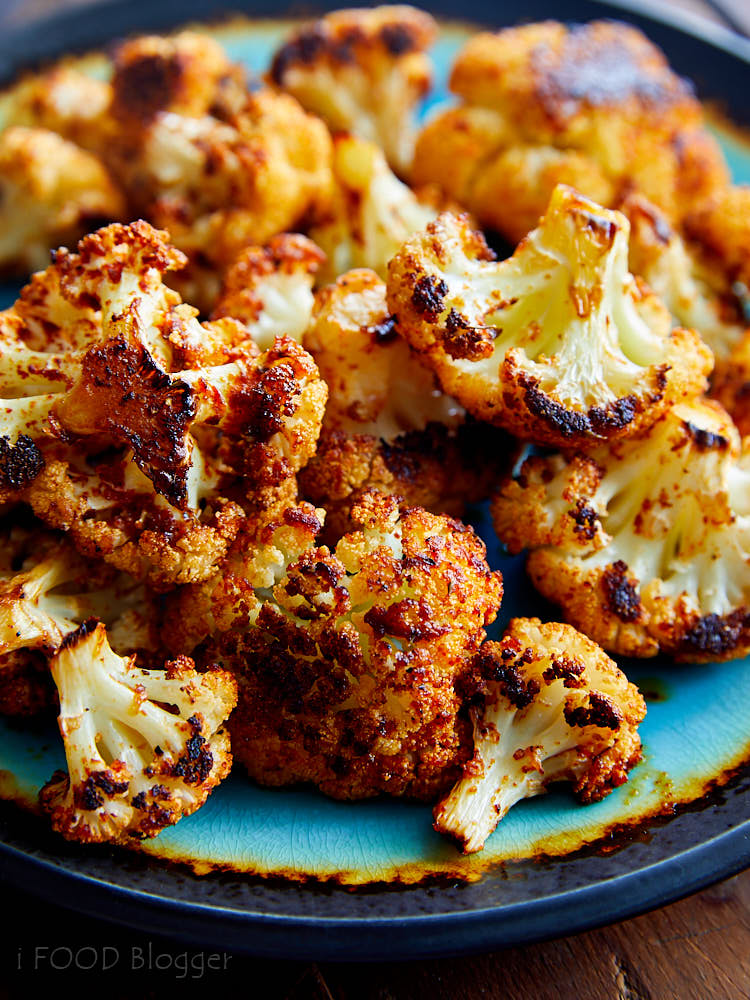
x=139, y=801
x=408, y=619
x=398, y=38
x=586, y=519
x=385, y=332
x=20, y=463
x=567, y=670
x=706, y=440
x=716, y=634
x=600, y=711
x=500, y=665
x=621, y=594
x=427, y=296
x=461, y=340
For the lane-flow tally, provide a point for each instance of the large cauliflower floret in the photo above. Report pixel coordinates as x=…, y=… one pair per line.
x=143, y=747
x=371, y=212
x=548, y=705
x=135, y=427
x=269, y=289
x=50, y=192
x=558, y=344
x=388, y=426
x=697, y=292
x=645, y=545
x=593, y=105
x=348, y=661
x=363, y=71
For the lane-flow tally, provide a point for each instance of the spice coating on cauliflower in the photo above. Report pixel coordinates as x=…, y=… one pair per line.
x=348, y=661
x=558, y=344
x=134, y=766
x=269, y=289
x=593, y=105
x=362, y=71
x=388, y=426
x=548, y=705
x=135, y=427
x=50, y=190
x=645, y=545
x=371, y=214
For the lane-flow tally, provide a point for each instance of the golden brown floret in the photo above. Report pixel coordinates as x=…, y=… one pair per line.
x=547, y=705
x=362, y=71
x=348, y=661
x=593, y=105
x=720, y=229
x=135, y=427
x=388, y=426
x=143, y=747
x=559, y=343
x=644, y=545
x=51, y=191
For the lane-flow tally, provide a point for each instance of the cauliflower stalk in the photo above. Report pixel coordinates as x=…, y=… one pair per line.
x=558, y=344
x=549, y=706
x=143, y=747
x=646, y=546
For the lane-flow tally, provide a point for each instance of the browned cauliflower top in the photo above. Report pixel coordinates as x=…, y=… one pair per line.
x=645, y=545
x=592, y=105
x=362, y=71
x=140, y=430
x=559, y=343
x=547, y=705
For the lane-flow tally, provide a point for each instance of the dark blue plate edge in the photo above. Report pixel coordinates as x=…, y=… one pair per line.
x=455, y=932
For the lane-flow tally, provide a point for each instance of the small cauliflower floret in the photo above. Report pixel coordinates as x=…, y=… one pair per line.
x=594, y=105
x=696, y=291
x=363, y=71
x=144, y=747
x=63, y=100
x=186, y=74
x=371, y=213
x=50, y=191
x=645, y=545
x=269, y=289
x=388, y=426
x=547, y=705
x=559, y=343
x=348, y=661
x=140, y=430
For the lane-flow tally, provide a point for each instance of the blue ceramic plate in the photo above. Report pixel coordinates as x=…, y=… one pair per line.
x=262, y=870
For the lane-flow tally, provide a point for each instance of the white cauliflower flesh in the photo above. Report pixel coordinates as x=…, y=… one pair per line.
x=549, y=706
x=143, y=747
x=558, y=344
x=646, y=546
x=696, y=295
x=363, y=71
x=372, y=212
x=269, y=289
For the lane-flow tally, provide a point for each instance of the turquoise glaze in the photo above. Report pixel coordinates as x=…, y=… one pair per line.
x=691, y=737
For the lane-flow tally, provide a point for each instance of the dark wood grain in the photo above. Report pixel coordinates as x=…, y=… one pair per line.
x=697, y=949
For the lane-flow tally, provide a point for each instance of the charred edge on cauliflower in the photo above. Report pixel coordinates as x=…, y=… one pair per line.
x=20, y=463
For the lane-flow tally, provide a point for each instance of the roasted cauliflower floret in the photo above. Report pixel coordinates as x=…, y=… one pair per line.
x=592, y=105
x=62, y=100
x=388, y=426
x=371, y=213
x=50, y=192
x=186, y=74
x=363, y=71
x=720, y=229
x=348, y=661
x=558, y=344
x=548, y=705
x=135, y=427
x=269, y=289
x=646, y=545
x=143, y=747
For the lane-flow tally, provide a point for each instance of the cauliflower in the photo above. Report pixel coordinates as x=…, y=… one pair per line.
x=50, y=191
x=371, y=214
x=143, y=747
x=387, y=424
x=645, y=545
x=558, y=344
x=348, y=661
x=269, y=289
x=143, y=432
x=362, y=71
x=592, y=105
x=720, y=229
x=549, y=705
x=64, y=100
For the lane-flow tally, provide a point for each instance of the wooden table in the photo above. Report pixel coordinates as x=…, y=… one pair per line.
x=697, y=949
